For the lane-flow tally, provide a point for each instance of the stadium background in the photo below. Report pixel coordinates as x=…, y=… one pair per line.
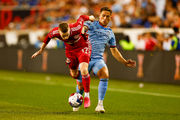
x=136, y=24
x=146, y=31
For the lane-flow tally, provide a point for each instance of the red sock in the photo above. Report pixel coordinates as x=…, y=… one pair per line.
x=86, y=82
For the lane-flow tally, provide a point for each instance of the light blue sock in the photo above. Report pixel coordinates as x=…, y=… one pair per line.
x=102, y=88
x=79, y=91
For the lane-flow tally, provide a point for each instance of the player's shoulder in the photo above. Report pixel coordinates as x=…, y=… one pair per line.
x=90, y=22
x=108, y=28
x=95, y=22
x=55, y=29
x=54, y=32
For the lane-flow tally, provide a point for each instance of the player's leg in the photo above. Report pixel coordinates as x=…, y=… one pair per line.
x=103, y=75
x=79, y=87
x=101, y=70
x=72, y=63
x=75, y=73
x=84, y=58
x=86, y=83
x=85, y=75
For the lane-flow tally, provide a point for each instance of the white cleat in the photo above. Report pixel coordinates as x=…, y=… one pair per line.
x=75, y=109
x=100, y=108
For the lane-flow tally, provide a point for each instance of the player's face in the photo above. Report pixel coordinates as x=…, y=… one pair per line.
x=105, y=17
x=66, y=35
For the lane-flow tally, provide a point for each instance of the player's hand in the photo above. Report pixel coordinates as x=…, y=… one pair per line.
x=130, y=63
x=84, y=29
x=36, y=54
x=92, y=18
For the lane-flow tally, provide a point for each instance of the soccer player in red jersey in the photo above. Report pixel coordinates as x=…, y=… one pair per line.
x=78, y=50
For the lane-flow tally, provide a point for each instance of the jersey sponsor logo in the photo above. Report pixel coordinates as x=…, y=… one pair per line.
x=76, y=28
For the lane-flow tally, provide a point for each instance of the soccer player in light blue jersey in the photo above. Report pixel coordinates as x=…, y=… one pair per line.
x=101, y=35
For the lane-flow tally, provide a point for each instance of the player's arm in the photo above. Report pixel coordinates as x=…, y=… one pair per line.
x=86, y=18
x=84, y=29
x=118, y=56
x=92, y=18
x=39, y=51
x=45, y=42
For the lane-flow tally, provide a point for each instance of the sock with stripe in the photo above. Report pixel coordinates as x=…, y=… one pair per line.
x=86, y=82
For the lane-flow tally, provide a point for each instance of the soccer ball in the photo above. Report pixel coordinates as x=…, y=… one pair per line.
x=75, y=99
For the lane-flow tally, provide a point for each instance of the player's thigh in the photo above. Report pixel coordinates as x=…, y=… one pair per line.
x=100, y=69
x=84, y=58
x=73, y=63
x=84, y=55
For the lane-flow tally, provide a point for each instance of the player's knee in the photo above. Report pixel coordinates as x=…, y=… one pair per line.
x=74, y=75
x=103, y=74
x=84, y=71
x=84, y=68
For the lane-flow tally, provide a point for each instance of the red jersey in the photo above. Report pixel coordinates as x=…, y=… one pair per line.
x=76, y=39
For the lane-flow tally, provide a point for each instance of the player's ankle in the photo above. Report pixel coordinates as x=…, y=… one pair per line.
x=100, y=102
x=86, y=94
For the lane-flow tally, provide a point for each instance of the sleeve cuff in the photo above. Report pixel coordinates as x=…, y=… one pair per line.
x=112, y=46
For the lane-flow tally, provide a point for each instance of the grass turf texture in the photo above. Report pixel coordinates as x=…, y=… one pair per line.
x=38, y=96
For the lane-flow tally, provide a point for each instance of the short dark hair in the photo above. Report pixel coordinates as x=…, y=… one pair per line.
x=63, y=27
x=106, y=9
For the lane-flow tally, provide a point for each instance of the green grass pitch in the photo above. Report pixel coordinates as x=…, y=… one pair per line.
x=42, y=96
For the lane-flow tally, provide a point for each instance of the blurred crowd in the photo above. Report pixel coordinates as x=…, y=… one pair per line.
x=46, y=14
x=126, y=13
x=151, y=41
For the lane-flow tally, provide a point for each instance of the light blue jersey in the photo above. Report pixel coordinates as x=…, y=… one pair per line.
x=99, y=37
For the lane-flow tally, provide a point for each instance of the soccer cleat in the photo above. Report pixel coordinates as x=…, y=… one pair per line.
x=87, y=102
x=100, y=109
x=75, y=109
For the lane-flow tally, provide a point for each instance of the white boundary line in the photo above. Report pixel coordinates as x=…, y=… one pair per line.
x=93, y=87
x=133, y=91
